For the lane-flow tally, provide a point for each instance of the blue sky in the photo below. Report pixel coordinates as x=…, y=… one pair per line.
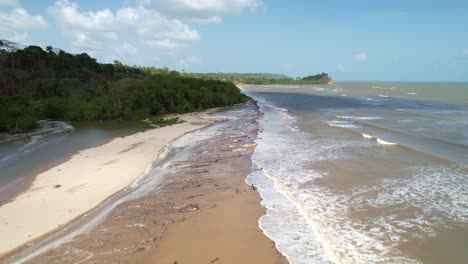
x=352, y=40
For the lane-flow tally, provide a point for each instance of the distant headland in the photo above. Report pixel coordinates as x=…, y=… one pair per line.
x=265, y=78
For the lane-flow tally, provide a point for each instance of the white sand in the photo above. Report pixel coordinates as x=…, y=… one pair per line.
x=86, y=180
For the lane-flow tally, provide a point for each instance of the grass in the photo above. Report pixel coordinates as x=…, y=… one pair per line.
x=162, y=122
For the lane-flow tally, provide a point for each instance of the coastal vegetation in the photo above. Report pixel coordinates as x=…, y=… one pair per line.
x=162, y=122
x=265, y=78
x=37, y=84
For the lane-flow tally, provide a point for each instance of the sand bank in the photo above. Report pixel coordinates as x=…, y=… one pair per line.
x=203, y=211
x=70, y=189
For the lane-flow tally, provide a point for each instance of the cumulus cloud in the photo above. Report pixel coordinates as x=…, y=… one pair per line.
x=87, y=30
x=156, y=30
x=15, y=24
x=93, y=30
x=126, y=49
x=361, y=57
x=204, y=11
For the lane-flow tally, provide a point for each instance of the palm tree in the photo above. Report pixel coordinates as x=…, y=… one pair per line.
x=49, y=49
x=9, y=47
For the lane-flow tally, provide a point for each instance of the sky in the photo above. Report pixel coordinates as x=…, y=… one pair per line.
x=359, y=40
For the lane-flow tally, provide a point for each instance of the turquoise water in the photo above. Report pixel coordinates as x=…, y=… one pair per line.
x=364, y=172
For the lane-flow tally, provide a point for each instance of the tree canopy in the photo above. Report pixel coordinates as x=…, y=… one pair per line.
x=264, y=78
x=40, y=84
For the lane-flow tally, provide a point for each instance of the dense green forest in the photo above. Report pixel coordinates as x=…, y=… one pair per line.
x=264, y=78
x=40, y=84
x=238, y=76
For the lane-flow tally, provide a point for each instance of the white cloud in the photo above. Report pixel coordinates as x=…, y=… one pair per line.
x=127, y=53
x=87, y=30
x=361, y=57
x=188, y=63
x=15, y=24
x=155, y=30
x=94, y=30
x=9, y=2
x=126, y=49
x=204, y=11
x=210, y=20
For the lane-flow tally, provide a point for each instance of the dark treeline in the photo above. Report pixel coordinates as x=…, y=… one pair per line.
x=264, y=78
x=322, y=78
x=40, y=84
x=238, y=76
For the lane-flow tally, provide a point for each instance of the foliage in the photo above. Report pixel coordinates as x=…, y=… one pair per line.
x=52, y=84
x=239, y=76
x=264, y=78
x=162, y=122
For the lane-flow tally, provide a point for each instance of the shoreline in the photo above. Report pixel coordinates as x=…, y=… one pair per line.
x=15, y=187
x=202, y=194
x=68, y=190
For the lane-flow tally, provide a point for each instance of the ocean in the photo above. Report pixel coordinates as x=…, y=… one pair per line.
x=364, y=172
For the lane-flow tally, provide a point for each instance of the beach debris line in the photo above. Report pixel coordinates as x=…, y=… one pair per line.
x=214, y=260
x=187, y=207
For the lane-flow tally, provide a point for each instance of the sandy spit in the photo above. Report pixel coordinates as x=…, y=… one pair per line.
x=72, y=188
x=203, y=212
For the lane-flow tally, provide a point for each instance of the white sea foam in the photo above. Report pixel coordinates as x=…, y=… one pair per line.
x=382, y=95
x=293, y=129
x=285, y=115
x=318, y=89
x=338, y=90
x=275, y=107
x=342, y=124
x=360, y=117
x=429, y=198
x=35, y=138
x=405, y=120
x=308, y=222
x=383, y=142
x=298, y=242
x=380, y=141
x=308, y=184
x=412, y=93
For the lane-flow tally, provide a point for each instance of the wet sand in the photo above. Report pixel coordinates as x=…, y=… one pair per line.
x=64, y=192
x=50, y=145
x=202, y=213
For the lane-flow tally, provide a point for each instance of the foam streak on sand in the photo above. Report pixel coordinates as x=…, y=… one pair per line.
x=383, y=142
x=70, y=189
x=380, y=141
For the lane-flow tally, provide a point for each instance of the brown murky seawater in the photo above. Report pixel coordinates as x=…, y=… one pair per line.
x=365, y=173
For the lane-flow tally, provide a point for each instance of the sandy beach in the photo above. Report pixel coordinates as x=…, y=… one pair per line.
x=203, y=212
x=70, y=189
